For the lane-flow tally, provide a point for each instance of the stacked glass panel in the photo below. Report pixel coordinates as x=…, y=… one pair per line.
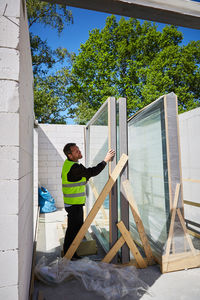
x=148, y=173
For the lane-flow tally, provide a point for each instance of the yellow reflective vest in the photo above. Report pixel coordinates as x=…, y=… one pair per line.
x=73, y=192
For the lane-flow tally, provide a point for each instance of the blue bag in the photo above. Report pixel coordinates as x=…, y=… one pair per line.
x=46, y=201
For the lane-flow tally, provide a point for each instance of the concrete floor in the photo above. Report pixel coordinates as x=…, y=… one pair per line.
x=179, y=285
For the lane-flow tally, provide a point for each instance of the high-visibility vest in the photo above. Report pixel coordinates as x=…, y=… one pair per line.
x=73, y=192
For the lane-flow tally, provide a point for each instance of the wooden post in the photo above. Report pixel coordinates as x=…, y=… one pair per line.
x=96, y=207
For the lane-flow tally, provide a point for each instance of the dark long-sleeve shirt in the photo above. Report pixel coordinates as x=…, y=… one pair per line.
x=78, y=171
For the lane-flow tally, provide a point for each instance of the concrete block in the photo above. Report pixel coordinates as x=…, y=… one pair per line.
x=25, y=235
x=43, y=145
x=8, y=228
x=9, y=169
x=42, y=151
x=52, y=151
x=43, y=163
x=26, y=130
x=9, y=129
x=51, y=157
x=9, y=196
x=9, y=64
x=43, y=181
x=26, y=163
x=42, y=157
x=52, y=181
x=9, y=96
x=9, y=152
x=26, y=191
x=9, y=292
x=9, y=32
x=43, y=176
x=51, y=170
x=10, y=8
x=9, y=268
x=52, y=164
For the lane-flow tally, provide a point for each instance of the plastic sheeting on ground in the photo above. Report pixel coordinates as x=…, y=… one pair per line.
x=106, y=279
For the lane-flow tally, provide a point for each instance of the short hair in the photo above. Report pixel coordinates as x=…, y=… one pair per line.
x=67, y=148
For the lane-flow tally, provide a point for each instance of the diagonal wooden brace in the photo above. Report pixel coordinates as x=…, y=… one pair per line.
x=127, y=237
x=173, y=215
x=138, y=221
x=80, y=235
x=109, y=256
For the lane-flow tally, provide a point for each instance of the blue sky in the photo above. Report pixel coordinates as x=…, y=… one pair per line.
x=84, y=21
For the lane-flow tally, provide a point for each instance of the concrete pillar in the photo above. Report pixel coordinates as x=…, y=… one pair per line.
x=16, y=151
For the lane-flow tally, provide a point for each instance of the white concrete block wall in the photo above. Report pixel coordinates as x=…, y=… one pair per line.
x=16, y=151
x=51, y=140
x=9, y=148
x=26, y=123
x=189, y=123
x=35, y=184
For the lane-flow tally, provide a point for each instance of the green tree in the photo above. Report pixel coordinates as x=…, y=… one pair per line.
x=136, y=61
x=50, y=84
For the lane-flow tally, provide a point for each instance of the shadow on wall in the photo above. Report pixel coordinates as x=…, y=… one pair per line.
x=51, y=140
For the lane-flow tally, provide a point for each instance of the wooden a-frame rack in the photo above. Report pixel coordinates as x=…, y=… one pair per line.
x=184, y=260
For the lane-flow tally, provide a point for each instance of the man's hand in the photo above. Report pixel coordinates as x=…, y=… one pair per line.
x=109, y=155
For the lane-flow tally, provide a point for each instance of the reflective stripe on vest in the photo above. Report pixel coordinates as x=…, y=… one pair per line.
x=74, y=184
x=73, y=192
x=74, y=195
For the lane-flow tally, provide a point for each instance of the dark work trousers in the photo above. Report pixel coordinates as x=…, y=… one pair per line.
x=75, y=221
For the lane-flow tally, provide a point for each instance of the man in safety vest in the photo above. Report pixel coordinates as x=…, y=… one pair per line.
x=74, y=179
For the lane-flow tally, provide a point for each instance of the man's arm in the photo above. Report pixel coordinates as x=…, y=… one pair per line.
x=78, y=171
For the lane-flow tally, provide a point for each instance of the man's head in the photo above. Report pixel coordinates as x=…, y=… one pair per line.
x=72, y=152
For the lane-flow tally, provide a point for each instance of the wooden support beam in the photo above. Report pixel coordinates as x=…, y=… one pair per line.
x=193, y=233
x=138, y=221
x=191, y=203
x=96, y=195
x=109, y=256
x=185, y=231
x=134, y=250
x=171, y=229
x=113, y=177
x=191, y=180
x=180, y=261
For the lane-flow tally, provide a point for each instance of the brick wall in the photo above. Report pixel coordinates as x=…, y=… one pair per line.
x=52, y=139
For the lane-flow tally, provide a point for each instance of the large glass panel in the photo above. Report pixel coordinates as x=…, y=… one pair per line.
x=98, y=147
x=148, y=173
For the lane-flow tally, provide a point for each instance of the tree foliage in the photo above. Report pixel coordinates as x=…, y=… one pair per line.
x=136, y=61
x=49, y=85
